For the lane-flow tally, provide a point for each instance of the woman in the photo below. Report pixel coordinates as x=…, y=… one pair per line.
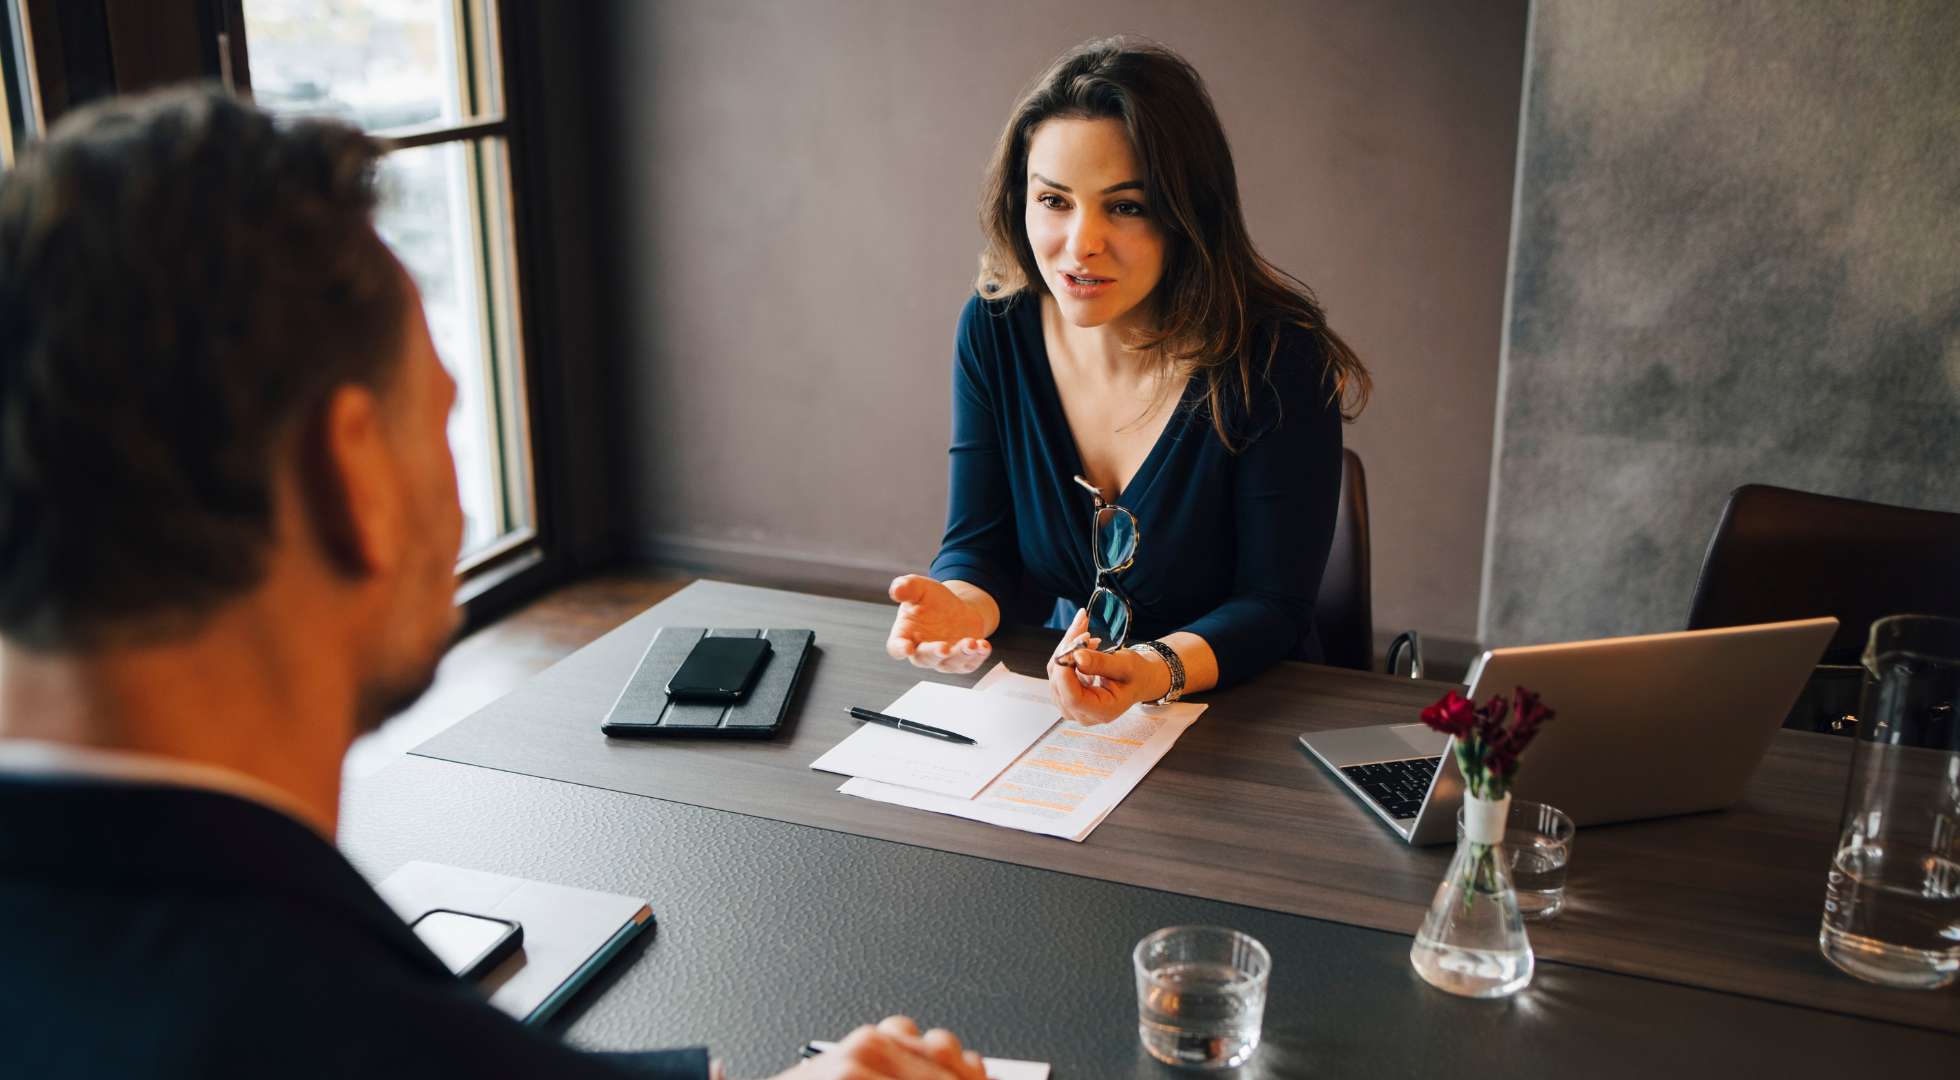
x=1126, y=331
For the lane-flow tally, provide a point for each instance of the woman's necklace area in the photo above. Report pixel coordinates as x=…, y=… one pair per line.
x=1120, y=404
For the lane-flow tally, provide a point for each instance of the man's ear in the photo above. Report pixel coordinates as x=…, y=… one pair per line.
x=350, y=483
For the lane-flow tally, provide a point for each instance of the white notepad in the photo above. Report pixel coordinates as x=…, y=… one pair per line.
x=1065, y=783
x=569, y=934
x=997, y=1068
x=1001, y=727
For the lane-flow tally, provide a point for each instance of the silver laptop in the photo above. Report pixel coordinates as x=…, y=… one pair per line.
x=1646, y=726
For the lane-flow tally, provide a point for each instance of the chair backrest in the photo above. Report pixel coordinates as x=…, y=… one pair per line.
x=1783, y=554
x=1344, y=612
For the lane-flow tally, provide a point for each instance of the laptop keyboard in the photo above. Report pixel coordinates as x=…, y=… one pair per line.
x=1399, y=786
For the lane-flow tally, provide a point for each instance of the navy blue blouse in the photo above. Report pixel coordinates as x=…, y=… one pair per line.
x=1230, y=546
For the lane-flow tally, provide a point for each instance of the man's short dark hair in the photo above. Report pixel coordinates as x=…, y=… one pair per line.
x=183, y=282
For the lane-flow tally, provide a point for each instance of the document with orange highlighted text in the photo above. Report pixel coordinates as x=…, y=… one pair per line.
x=1069, y=780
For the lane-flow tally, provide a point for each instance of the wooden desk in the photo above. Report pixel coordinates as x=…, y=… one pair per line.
x=1727, y=901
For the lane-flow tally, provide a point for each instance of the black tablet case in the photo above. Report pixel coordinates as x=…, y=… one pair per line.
x=643, y=707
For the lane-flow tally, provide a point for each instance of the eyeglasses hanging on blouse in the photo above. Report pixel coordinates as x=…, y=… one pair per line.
x=1113, y=546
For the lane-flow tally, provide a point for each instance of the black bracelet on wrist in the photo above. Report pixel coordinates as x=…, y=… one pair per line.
x=1171, y=661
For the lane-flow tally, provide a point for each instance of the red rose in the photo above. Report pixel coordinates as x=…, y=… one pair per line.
x=1531, y=714
x=1452, y=714
x=1490, y=719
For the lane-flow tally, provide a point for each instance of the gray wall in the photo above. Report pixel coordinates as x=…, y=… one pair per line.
x=795, y=235
x=1735, y=262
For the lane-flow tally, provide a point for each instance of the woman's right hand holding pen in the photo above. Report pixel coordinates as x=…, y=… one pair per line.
x=939, y=628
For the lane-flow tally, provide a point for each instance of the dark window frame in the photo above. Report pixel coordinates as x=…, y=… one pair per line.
x=22, y=120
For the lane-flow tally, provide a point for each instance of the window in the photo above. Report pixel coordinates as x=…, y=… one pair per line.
x=424, y=75
x=16, y=87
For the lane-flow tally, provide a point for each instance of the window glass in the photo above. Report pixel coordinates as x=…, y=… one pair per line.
x=426, y=218
x=380, y=64
x=16, y=95
x=391, y=64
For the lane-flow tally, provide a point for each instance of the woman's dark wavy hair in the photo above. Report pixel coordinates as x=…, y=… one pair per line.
x=182, y=282
x=1221, y=302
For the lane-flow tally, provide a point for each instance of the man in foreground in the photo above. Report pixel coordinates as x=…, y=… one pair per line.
x=228, y=526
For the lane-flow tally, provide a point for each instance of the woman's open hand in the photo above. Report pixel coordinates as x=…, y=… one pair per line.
x=1096, y=687
x=935, y=628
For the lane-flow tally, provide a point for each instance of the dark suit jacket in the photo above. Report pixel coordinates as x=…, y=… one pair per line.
x=154, y=931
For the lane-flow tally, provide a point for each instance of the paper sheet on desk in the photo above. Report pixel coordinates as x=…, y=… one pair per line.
x=1067, y=783
x=997, y=1068
x=1001, y=729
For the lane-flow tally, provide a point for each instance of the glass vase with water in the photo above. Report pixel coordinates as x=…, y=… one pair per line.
x=1472, y=942
x=1892, y=896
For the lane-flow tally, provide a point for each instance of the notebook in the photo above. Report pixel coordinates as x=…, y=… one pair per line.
x=569, y=934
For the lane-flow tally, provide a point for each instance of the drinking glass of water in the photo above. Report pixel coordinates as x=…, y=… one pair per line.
x=1537, y=845
x=1201, y=994
x=1892, y=895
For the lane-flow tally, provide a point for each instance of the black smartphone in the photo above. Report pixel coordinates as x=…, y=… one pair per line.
x=468, y=945
x=719, y=669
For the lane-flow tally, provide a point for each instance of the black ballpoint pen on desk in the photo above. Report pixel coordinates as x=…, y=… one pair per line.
x=901, y=724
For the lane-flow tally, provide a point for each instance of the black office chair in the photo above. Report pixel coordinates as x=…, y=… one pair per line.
x=1782, y=554
x=1344, y=612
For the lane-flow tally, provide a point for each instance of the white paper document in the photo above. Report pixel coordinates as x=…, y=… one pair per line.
x=997, y=1068
x=1001, y=729
x=1065, y=784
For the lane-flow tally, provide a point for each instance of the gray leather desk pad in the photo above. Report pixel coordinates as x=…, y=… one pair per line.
x=771, y=933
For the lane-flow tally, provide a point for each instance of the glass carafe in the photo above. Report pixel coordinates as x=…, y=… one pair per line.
x=1892, y=901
